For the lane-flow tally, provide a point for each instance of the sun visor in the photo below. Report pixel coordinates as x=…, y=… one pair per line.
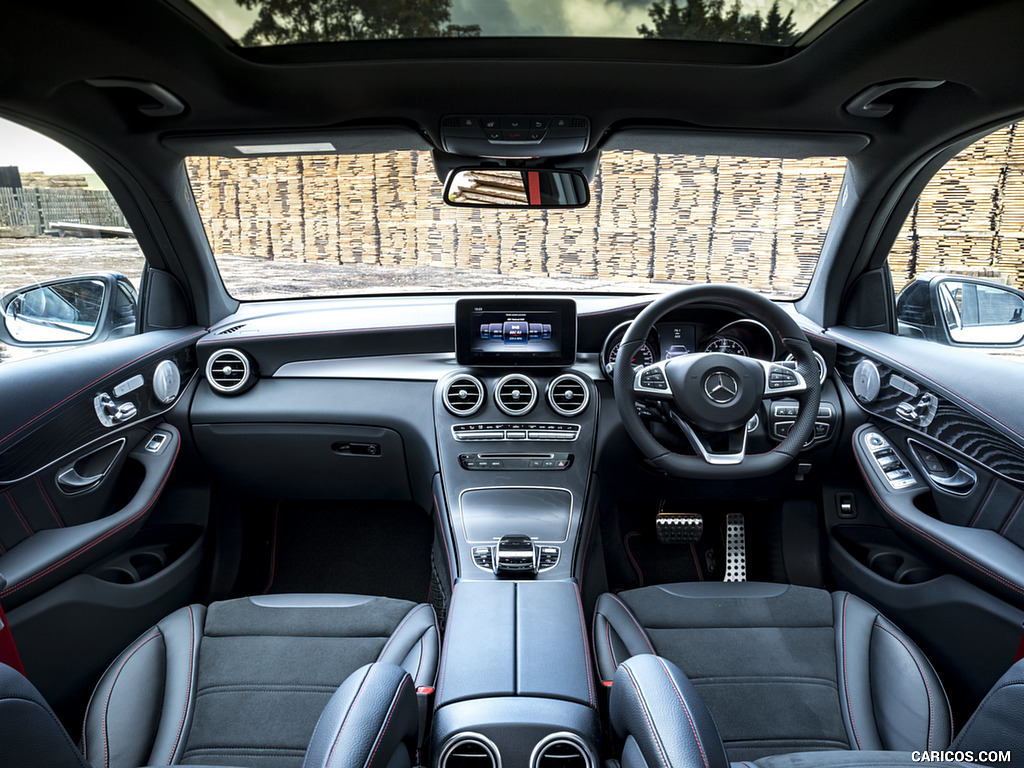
x=340, y=141
x=785, y=144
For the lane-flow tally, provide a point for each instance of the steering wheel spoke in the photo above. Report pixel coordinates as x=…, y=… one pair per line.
x=781, y=380
x=651, y=381
x=735, y=439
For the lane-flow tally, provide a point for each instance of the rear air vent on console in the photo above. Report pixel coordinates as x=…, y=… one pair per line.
x=561, y=750
x=464, y=395
x=515, y=394
x=469, y=751
x=229, y=371
x=568, y=394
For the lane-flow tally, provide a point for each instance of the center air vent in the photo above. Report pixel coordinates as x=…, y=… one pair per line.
x=568, y=394
x=561, y=750
x=464, y=395
x=515, y=394
x=229, y=372
x=469, y=751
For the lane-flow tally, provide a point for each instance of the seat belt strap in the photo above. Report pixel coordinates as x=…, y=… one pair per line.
x=8, y=650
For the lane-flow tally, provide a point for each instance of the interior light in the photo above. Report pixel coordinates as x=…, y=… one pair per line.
x=270, y=149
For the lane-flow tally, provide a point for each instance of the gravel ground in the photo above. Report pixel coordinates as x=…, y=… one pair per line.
x=24, y=261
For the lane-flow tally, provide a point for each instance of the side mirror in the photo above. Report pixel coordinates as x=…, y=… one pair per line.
x=962, y=311
x=495, y=187
x=69, y=311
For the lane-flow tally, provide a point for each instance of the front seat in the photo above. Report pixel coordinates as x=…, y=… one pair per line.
x=244, y=682
x=783, y=669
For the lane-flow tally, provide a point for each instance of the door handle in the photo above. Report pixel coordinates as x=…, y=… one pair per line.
x=71, y=482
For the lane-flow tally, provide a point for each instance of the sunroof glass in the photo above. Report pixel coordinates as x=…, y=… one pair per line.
x=282, y=22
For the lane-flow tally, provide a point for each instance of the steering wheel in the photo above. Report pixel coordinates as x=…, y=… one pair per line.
x=711, y=396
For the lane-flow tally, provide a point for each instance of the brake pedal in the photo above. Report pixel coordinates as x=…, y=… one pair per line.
x=678, y=527
x=735, y=548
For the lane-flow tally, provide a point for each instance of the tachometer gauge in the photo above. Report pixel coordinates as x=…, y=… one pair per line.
x=643, y=356
x=726, y=346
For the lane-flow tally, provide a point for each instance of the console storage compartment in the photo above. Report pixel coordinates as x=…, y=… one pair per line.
x=515, y=673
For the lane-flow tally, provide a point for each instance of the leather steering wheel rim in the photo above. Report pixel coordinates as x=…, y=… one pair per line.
x=756, y=307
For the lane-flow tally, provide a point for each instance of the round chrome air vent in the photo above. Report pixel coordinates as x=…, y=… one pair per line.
x=822, y=366
x=469, y=750
x=229, y=371
x=515, y=394
x=463, y=395
x=561, y=750
x=568, y=394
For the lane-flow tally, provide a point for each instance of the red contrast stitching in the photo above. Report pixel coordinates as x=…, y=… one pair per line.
x=958, y=555
x=14, y=506
x=106, y=702
x=984, y=500
x=15, y=587
x=339, y=332
x=920, y=669
x=686, y=711
x=444, y=540
x=846, y=678
x=647, y=717
x=629, y=552
x=49, y=502
x=380, y=736
x=586, y=647
x=188, y=689
x=444, y=655
x=348, y=714
x=150, y=353
x=633, y=618
x=405, y=621
x=611, y=649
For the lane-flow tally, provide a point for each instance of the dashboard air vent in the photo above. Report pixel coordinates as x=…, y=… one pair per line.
x=464, y=395
x=229, y=372
x=568, y=394
x=469, y=751
x=560, y=751
x=232, y=329
x=515, y=394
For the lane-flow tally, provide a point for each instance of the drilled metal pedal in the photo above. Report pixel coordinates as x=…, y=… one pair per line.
x=678, y=527
x=735, y=548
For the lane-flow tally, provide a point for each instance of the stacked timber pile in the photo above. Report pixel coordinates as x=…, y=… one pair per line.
x=760, y=222
x=40, y=179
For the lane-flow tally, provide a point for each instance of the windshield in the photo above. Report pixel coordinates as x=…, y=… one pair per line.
x=330, y=225
x=279, y=22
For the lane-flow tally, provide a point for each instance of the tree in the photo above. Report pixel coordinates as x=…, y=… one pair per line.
x=315, y=21
x=708, y=20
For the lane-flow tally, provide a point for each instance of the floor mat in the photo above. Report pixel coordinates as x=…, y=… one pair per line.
x=370, y=548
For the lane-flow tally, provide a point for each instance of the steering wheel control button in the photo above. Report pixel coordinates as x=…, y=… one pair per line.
x=889, y=463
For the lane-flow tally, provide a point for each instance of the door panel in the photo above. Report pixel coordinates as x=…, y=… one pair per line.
x=99, y=535
x=935, y=536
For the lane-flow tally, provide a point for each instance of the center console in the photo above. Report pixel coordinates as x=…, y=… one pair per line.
x=516, y=426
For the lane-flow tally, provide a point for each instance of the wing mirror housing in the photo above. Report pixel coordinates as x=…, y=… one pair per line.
x=69, y=311
x=964, y=311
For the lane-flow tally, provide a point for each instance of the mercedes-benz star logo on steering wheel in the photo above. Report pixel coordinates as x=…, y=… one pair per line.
x=721, y=387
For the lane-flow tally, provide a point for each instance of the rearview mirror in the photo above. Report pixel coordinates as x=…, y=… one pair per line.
x=494, y=187
x=69, y=311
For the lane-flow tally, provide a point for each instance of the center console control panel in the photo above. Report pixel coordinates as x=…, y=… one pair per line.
x=516, y=461
x=516, y=431
x=516, y=555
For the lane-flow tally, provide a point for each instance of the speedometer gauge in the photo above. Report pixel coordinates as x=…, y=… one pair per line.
x=643, y=356
x=726, y=346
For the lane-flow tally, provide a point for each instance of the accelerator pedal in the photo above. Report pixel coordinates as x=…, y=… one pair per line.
x=735, y=548
x=678, y=527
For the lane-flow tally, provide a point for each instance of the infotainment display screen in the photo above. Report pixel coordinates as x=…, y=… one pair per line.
x=515, y=332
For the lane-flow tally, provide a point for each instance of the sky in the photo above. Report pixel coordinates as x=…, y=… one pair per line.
x=31, y=151
x=597, y=18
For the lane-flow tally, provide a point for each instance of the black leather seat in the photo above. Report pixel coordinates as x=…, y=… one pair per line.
x=661, y=720
x=245, y=682
x=783, y=669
